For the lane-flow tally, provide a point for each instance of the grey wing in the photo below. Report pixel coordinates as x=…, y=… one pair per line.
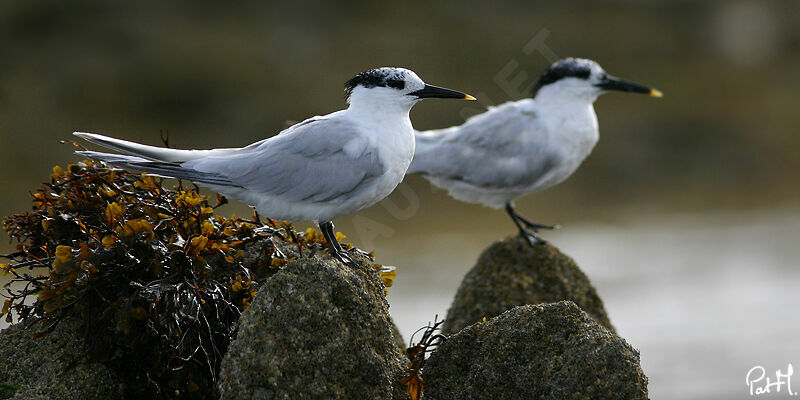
x=316, y=160
x=504, y=147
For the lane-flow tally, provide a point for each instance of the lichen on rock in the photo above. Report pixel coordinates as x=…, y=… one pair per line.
x=316, y=329
x=511, y=273
x=549, y=351
x=52, y=366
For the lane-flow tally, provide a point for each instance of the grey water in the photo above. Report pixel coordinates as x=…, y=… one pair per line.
x=703, y=298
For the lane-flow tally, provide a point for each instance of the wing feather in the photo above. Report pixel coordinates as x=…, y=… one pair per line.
x=307, y=162
x=316, y=160
x=503, y=147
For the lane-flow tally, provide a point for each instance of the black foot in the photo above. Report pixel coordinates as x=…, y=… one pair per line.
x=361, y=252
x=532, y=238
x=264, y=229
x=334, y=247
x=527, y=229
x=535, y=227
x=345, y=258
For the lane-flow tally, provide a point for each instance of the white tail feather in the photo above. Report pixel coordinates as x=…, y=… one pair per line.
x=152, y=153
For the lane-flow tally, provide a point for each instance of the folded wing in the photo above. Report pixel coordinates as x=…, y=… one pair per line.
x=317, y=160
x=314, y=161
x=501, y=148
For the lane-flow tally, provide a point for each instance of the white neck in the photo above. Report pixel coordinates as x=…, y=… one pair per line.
x=386, y=119
x=379, y=109
x=380, y=101
x=566, y=95
x=570, y=115
x=386, y=114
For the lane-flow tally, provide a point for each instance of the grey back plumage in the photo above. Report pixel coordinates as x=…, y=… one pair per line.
x=316, y=160
x=488, y=150
x=309, y=161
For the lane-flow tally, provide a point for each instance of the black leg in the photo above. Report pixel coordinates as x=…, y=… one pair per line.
x=533, y=225
x=519, y=217
x=529, y=230
x=330, y=237
x=334, y=247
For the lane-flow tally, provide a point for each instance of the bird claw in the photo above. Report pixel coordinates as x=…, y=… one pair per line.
x=362, y=253
x=345, y=258
x=528, y=228
x=535, y=227
x=265, y=229
x=532, y=238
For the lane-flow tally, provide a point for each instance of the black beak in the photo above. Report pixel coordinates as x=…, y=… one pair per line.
x=613, y=83
x=442, y=93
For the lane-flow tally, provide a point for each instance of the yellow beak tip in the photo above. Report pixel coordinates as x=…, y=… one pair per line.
x=469, y=97
x=656, y=93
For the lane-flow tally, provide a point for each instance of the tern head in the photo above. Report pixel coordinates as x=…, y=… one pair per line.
x=583, y=79
x=394, y=86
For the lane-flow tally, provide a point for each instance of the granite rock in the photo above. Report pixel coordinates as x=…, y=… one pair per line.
x=316, y=330
x=511, y=273
x=549, y=351
x=52, y=366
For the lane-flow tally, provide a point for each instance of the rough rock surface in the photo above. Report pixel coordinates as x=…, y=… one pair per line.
x=316, y=330
x=50, y=367
x=398, y=337
x=511, y=273
x=550, y=351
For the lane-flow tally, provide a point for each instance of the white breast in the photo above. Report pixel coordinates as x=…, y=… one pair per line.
x=392, y=137
x=572, y=132
x=394, y=140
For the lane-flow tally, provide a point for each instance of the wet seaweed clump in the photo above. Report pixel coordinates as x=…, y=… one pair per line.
x=157, y=280
x=417, y=355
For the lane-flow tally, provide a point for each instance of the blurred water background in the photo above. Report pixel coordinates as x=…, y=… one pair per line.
x=686, y=217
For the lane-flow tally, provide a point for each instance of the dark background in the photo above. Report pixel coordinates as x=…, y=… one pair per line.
x=685, y=216
x=724, y=135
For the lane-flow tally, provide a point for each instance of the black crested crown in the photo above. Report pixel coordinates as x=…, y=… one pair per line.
x=377, y=77
x=566, y=68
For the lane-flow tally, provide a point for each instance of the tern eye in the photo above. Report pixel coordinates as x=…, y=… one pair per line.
x=396, y=83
